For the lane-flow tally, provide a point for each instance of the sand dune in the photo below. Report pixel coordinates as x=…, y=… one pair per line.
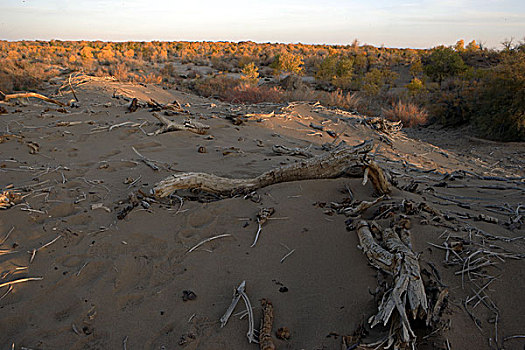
x=110, y=283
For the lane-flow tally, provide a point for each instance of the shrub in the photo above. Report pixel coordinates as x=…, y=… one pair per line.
x=120, y=72
x=378, y=80
x=221, y=64
x=408, y=113
x=500, y=102
x=216, y=86
x=246, y=93
x=287, y=62
x=250, y=74
x=415, y=86
x=21, y=76
x=349, y=101
x=443, y=62
x=337, y=71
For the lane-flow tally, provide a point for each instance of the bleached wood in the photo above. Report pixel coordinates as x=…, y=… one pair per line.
x=344, y=160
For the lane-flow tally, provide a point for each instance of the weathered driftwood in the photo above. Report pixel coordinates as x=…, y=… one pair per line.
x=174, y=107
x=265, y=334
x=341, y=161
x=4, y=97
x=383, y=125
x=377, y=176
x=188, y=125
x=357, y=208
x=296, y=151
x=408, y=292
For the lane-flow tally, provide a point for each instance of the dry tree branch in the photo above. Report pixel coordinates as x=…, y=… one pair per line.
x=206, y=241
x=10, y=283
x=341, y=161
x=4, y=97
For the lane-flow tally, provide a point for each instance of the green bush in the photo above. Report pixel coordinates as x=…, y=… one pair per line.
x=336, y=70
x=287, y=62
x=250, y=74
x=443, y=62
x=492, y=100
x=378, y=80
x=500, y=112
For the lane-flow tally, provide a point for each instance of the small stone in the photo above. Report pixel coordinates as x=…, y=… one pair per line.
x=188, y=295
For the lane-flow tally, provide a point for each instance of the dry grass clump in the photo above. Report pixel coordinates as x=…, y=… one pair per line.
x=216, y=86
x=408, y=113
x=247, y=93
x=22, y=76
x=349, y=101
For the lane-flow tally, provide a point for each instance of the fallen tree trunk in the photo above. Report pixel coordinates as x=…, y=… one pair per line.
x=4, y=97
x=408, y=292
x=341, y=161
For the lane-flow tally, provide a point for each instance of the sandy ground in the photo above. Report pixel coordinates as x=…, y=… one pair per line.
x=112, y=284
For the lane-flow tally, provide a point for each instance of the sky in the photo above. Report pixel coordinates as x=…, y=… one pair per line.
x=393, y=23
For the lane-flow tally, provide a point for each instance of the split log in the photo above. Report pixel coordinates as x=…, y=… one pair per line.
x=4, y=97
x=265, y=334
x=188, y=125
x=341, y=161
x=408, y=292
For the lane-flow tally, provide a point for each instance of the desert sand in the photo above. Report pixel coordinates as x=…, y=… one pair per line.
x=113, y=278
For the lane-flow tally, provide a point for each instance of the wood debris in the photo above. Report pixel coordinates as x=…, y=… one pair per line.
x=378, y=179
x=133, y=105
x=8, y=198
x=383, y=125
x=169, y=109
x=296, y=151
x=4, y=97
x=207, y=240
x=21, y=280
x=263, y=215
x=239, y=293
x=187, y=125
x=408, y=293
x=341, y=161
x=265, y=333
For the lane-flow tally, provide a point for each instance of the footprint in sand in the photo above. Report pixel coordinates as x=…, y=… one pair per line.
x=63, y=210
x=110, y=154
x=201, y=219
x=149, y=146
x=127, y=301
